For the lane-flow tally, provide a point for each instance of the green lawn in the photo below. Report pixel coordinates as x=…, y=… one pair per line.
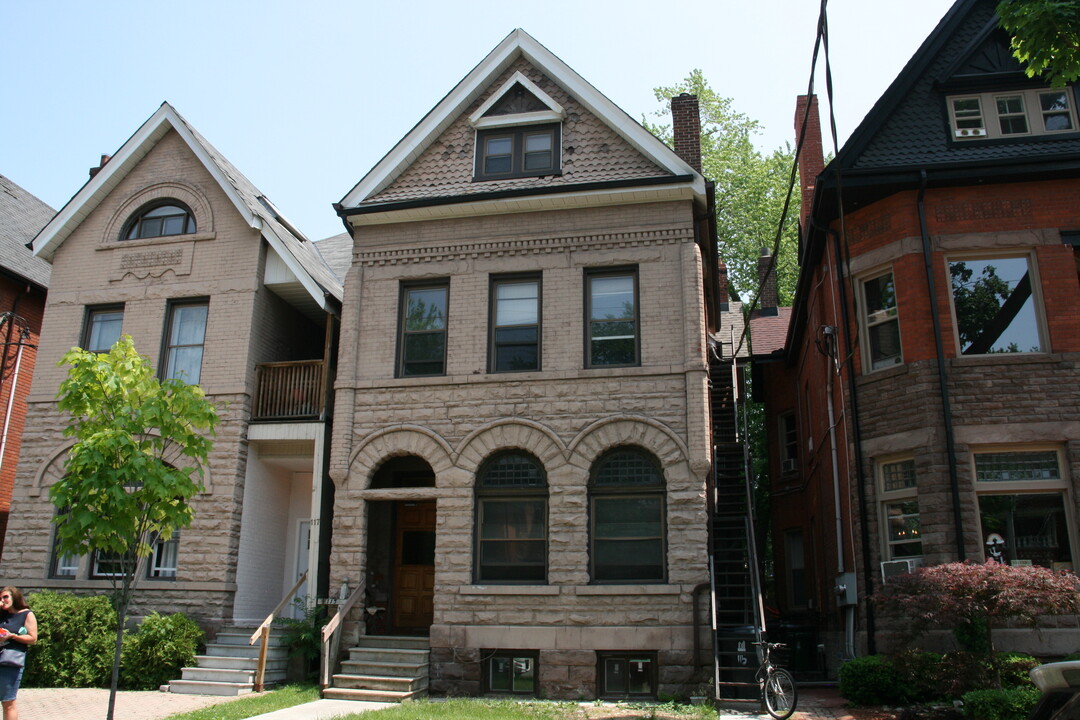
x=252, y=705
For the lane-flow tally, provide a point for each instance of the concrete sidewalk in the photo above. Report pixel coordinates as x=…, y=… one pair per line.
x=92, y=703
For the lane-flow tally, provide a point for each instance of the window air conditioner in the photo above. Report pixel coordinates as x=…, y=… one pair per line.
x=970, y=132
x=892, y=568
x=789, y=466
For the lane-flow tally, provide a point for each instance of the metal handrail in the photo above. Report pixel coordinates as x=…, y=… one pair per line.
x=331, y=638
x=263, y=632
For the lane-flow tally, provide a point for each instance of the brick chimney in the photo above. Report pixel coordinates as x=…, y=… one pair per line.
x=686, y=129
x=104, y=159
x=768, y=300
x=811, y=158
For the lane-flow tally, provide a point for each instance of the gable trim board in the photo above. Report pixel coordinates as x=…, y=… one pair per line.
x=325, y=290
x=517, y=44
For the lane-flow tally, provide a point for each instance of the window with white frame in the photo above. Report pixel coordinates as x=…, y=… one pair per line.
x=881, y=323
x=1022, y=507
x=1013, y=114
x=994, y=305
x=900, y=509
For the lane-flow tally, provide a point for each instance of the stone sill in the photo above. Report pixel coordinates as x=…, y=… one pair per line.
x=145, y=584
x=509, y=590
x=151, y=242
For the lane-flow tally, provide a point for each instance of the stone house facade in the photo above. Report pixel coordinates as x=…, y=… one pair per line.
x=24, y=282
x=521, y=440
x=925, y=406
x=171, y=244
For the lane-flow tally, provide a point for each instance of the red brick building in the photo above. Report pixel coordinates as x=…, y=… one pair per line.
x=24, y=280
x=926, y=405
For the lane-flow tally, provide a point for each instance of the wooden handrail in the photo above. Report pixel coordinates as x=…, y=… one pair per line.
x=263, y=632
x=331, y=639
x=289, y=390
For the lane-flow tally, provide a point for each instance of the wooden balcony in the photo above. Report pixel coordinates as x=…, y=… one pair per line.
x=290, y=391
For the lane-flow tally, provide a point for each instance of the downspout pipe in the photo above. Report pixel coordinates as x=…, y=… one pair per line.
x=860, y=474
x=946, y=406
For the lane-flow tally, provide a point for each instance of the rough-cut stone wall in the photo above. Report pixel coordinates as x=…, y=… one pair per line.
x=564, y=414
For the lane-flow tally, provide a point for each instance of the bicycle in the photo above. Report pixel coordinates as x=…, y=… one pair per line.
x=778, y=691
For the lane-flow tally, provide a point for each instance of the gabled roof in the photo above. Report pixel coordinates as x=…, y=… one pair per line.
x=21, y=216
x=295, y=251
x=517, y=44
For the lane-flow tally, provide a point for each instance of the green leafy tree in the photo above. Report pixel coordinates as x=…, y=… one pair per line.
x=750, y=188
x=124, y=489
x=1045, y=37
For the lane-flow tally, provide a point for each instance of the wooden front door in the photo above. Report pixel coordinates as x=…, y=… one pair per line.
x=413, y=601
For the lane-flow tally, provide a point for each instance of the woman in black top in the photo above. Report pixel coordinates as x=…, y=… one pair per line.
x=18, y=630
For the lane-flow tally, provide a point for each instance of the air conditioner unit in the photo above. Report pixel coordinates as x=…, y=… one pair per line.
x=789, y=466
x=970, y=132
x=892, y=568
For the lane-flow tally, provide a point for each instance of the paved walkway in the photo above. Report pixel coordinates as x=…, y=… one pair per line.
x=91, y=704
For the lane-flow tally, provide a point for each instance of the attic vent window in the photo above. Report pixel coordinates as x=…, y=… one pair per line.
x=518, y=100
x=1014, y=115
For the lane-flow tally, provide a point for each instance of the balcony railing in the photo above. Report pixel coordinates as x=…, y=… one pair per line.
x=290, y=390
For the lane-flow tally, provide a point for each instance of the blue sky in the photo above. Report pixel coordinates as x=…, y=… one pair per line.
x=306, y=97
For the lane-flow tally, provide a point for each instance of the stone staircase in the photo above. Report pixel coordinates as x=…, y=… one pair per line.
x=229, y=665
x=383, y=668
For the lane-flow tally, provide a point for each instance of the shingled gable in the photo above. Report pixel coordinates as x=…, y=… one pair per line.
x=410, y=174
x=296, y=253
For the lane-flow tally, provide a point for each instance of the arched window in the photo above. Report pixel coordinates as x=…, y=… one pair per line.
x=511, y=519
x=626, y=518
x=159, y=220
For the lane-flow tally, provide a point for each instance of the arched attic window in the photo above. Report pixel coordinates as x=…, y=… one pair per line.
x=159, y=219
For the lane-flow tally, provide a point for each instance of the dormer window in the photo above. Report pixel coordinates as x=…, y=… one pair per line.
x=517, y=152
x=1025, y=113
x=160, y=220
x=518, y=132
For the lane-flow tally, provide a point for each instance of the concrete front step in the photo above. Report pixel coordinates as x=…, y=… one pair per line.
x=243, y=637
x=244, y=651
x=209, y=674
x=332, y=693
x=388, y=655
x=202, y=687
x=363, y=667
x=382, y=683
x=401, y=642
x=240, y=663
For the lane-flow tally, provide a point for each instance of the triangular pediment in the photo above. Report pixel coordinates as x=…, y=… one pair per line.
x=519, y=83
x=988, y=58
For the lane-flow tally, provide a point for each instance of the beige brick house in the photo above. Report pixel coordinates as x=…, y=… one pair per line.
x=521, y=430
x=169, y=243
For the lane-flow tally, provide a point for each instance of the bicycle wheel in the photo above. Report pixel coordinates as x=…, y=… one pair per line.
x=779, y=693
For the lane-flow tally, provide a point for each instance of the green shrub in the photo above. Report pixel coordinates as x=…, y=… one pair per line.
x=872, y=680
x=154, y=654
x=76, y=641
x=303, y=636
x=1071, y=656
x=1014, y=668
x=1009, y=704
x=923, y=674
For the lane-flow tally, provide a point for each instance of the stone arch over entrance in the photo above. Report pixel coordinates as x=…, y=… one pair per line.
x=402, y=440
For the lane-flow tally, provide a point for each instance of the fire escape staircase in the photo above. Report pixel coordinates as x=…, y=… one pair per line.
x=737, y=606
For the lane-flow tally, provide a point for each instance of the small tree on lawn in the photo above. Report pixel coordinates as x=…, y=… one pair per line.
x=972, y=599
x=124, y=489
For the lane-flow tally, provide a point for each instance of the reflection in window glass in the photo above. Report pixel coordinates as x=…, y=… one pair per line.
x=423, y=328
x=516, y=336
x=612, y=320
x=882, y=324
x=1034, y=528
x=1055, y=111
x=187, y=334
x=512, y=674
x=995, y=310
x=103, y=329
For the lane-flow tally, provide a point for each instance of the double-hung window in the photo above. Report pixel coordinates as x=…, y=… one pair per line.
x=1024, y=512
x=513, y=152
x=881, y=322
x=102, y=328
x=515, y=324
x=994, y=305
x=900, y=509
x=612, y=337
x=422, y=338
x=185, y=338
x=627, y=518
x=511, y=509
x=161, y=564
